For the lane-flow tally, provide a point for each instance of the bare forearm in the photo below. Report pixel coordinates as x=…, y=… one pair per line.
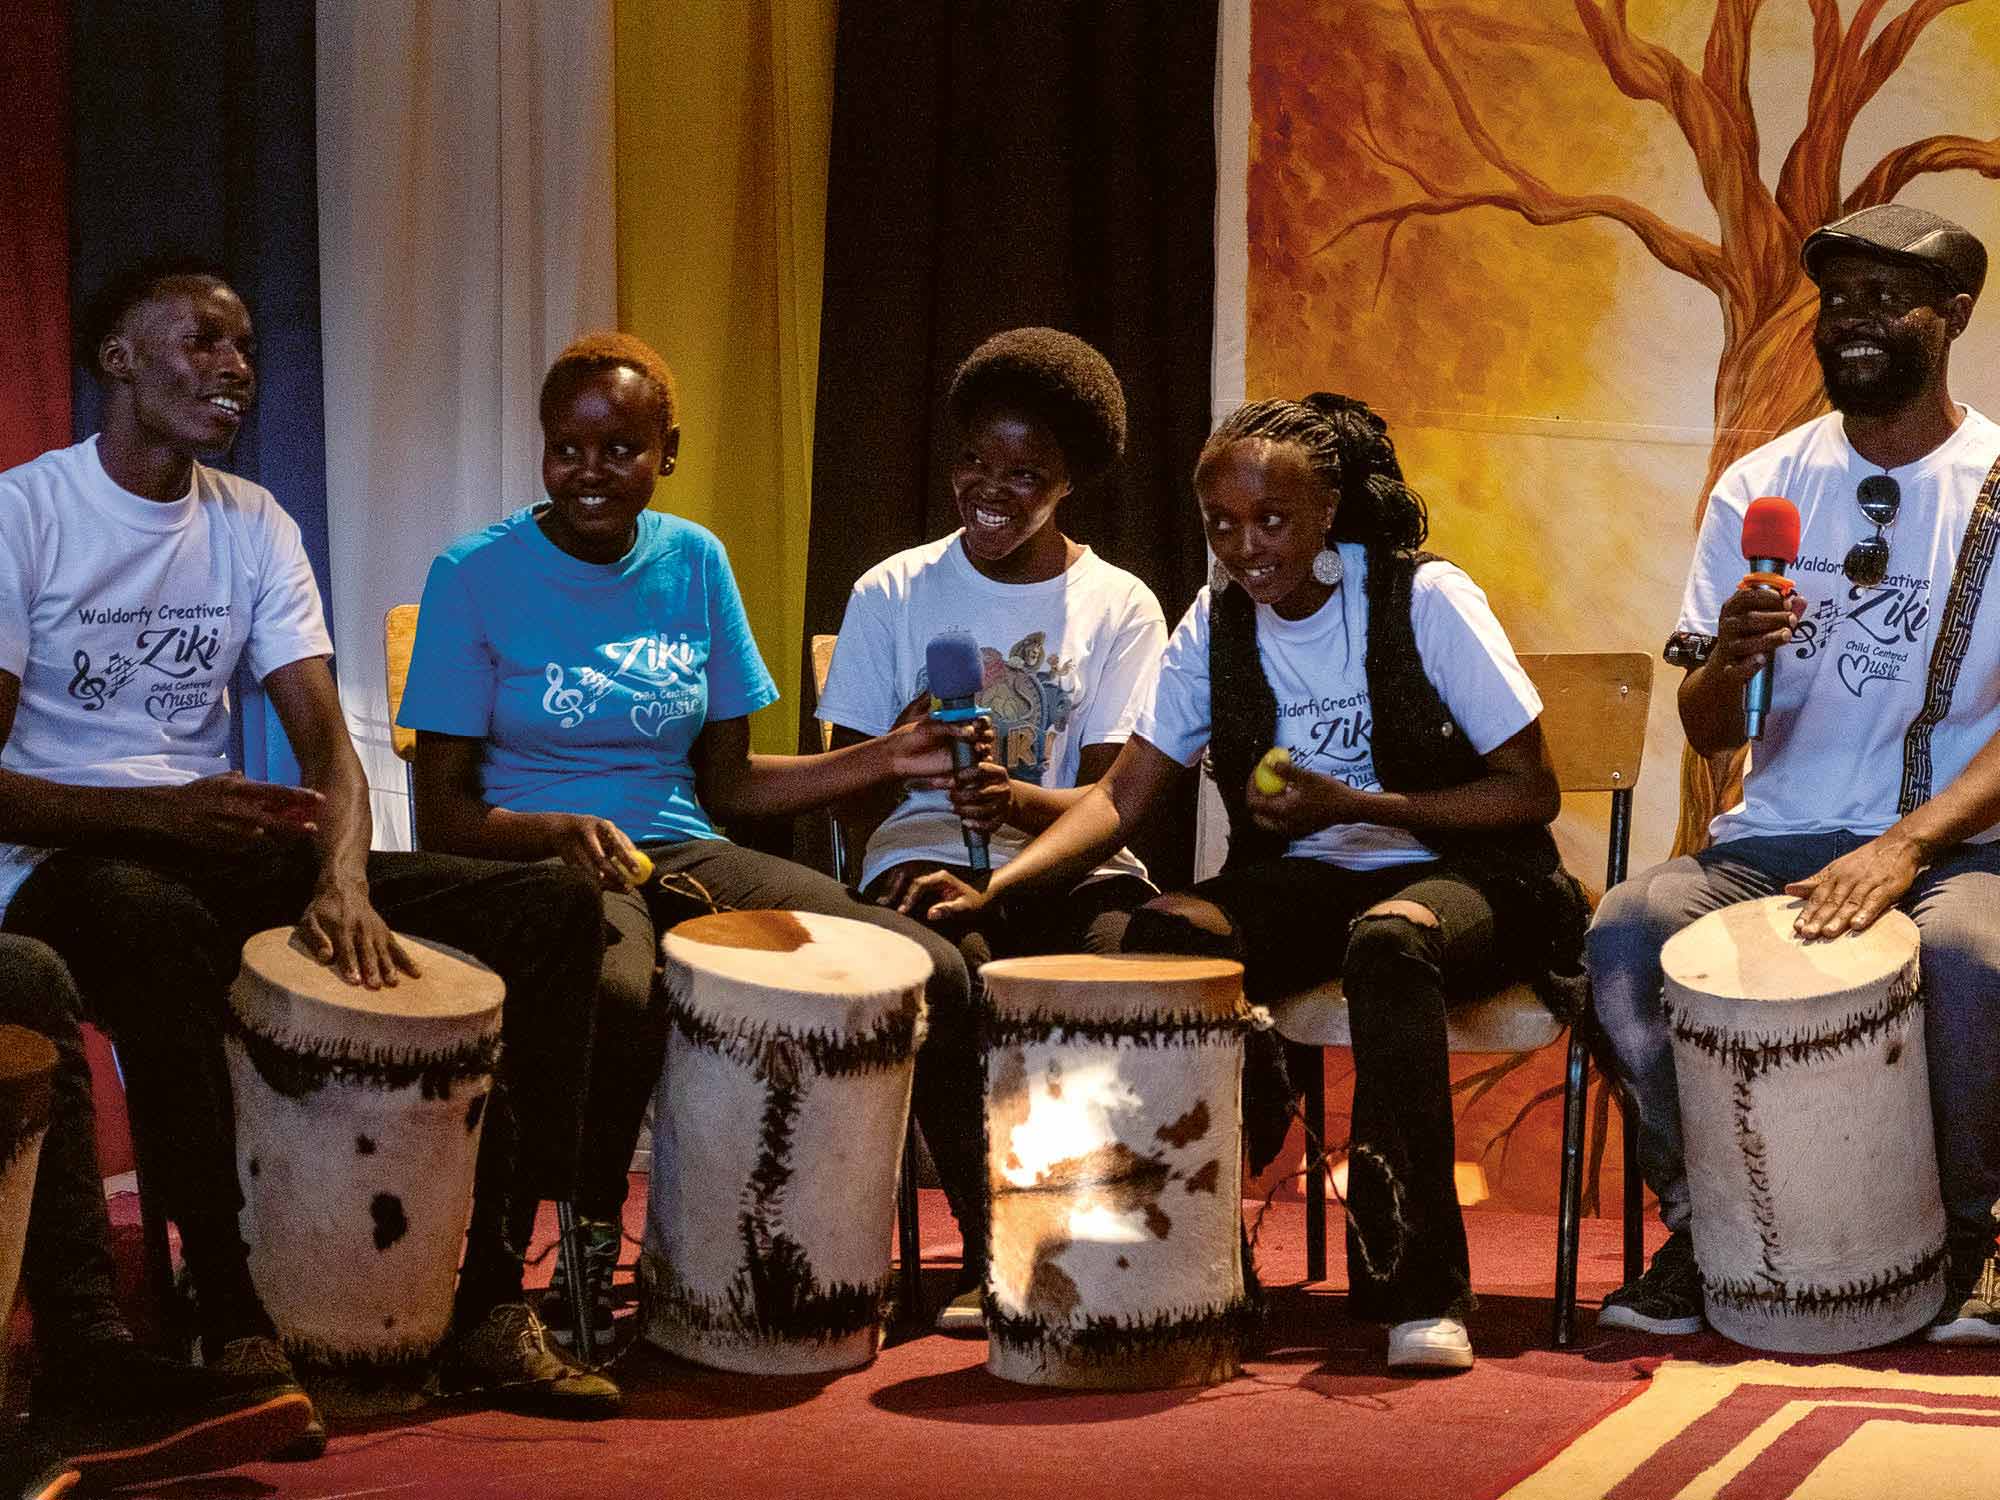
x=59, y=816
x=1966, y=808
x=1086, y=834
x=772, y=786
x=1035, y=808
x=346, y=823
x=467, y=826
x=1711, y=708
x=1492, y=801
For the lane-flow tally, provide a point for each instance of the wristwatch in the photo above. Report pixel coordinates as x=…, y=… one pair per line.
x=1688, y=649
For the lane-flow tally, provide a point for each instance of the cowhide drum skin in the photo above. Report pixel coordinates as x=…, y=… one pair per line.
x=27, y=1078
x=1114, y=1167
x=777, y=1137
x=358, y=1116
x=1806, y=1110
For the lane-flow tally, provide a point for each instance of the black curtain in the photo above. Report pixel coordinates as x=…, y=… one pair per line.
x=1006, y=163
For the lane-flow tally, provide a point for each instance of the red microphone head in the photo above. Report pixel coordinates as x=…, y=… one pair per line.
x=1771, y=529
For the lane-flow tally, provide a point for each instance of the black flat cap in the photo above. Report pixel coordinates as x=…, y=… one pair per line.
x=1896, y=232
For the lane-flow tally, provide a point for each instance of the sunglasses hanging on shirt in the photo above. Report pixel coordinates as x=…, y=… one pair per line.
x=1867, y=561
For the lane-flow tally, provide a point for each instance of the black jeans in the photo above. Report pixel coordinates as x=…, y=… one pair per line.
x=1087, y=918
x=632, y=1029
x=1300, y=922
x=154, y=936
x=67, y=1266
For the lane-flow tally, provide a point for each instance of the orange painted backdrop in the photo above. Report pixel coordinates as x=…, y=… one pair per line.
x=1554, y=242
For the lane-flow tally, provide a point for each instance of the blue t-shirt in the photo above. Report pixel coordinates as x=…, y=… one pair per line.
x=588, y=681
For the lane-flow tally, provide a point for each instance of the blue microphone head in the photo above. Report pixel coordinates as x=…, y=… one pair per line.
x=951, y=665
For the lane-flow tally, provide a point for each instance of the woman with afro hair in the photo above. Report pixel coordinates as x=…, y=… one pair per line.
x=1066, y=641
x=1377, y=747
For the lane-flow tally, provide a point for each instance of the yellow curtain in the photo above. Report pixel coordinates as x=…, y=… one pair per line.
x=725, y=109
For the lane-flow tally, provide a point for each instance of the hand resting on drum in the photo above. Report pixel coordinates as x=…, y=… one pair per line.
x=1857, y=888
x=342, y=929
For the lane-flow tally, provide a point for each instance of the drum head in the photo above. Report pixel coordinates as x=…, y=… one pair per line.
x=1749, y=952
x=792, y=958
x=1114, y=987
x=284, y=993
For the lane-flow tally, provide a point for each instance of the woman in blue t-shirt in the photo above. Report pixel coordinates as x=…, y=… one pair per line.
x=581, y=689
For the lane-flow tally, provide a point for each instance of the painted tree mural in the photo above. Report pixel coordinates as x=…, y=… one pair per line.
x=1766, y=379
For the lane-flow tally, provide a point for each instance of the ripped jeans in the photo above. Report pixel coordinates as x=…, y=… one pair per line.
x=1290, y=921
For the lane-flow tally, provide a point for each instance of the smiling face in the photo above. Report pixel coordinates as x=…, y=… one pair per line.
x=1266, y=515
x=605, y=444
x=183, y=360
x=1882, y=333
x=1007, y=480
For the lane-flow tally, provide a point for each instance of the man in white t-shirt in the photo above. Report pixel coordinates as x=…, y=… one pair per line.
x=1876, y=783
x=133, y=580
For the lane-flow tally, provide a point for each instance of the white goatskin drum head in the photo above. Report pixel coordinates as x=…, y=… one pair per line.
x=1749, y=952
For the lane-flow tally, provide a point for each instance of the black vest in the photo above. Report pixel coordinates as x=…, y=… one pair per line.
x=1540, y=911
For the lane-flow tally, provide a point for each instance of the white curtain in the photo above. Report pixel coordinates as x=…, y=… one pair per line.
x=467, y=232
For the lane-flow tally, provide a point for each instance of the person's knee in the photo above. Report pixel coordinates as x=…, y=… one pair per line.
x=1180, y=923
x=36, y=990
x=1390, y=941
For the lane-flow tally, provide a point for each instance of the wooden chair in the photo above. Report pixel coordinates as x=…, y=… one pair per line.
x=1594, y=717
x=399, y=638
x=909, y=1239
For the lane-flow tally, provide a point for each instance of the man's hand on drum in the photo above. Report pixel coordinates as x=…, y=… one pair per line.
x=596, y=846
x=1752, y=627
x=940, y=897
x=341, y=929
x=1855, y=889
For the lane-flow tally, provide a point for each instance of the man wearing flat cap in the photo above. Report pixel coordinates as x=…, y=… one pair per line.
x=1876, y=783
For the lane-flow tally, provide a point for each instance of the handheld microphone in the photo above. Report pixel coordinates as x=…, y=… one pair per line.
x=1770, y=545
x=951, y=665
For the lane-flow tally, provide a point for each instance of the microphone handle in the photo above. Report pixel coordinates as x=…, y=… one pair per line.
x=977, y=856
x=1757, y=691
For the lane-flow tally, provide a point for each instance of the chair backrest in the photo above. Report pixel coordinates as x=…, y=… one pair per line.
x=822, y=664
x=399, y=638
x=1594, y=715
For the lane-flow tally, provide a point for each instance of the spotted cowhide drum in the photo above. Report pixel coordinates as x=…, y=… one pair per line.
x=358, y=1116
x=1114, y=1166
x=777, y=1135
x=27, y=1073
x=1806, y=1108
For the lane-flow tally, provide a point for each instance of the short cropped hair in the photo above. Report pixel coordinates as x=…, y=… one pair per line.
x=612, y=351
x=105, y=311
x=1055, y=377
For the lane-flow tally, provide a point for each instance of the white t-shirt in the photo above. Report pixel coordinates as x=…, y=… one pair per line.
x=125, y=618
x=1067, y=662
x=1854, y=677
x=1317, y=668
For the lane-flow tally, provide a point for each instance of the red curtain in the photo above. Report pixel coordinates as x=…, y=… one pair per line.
x=34, y=231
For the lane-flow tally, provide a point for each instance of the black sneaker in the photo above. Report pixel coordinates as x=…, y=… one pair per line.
x=601, y=1241
x=1667, y=1299
x=507, y=1357
x=1971, y=1312
x=30, y=1470
x=260, y=1357
x=123, y=1415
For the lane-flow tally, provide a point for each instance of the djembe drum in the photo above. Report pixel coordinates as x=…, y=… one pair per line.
x=777, y=1134
x=1114, y=1170
x=27, y=1081
x=1805, y=1104
x=358, y=1116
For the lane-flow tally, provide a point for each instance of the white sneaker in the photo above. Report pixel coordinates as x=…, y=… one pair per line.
x=1430, y=1344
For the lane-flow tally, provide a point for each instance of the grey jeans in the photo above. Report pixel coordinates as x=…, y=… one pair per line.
x=1956, y=906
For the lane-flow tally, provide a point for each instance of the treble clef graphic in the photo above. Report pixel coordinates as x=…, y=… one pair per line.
x=567, y=702
x=85, y=688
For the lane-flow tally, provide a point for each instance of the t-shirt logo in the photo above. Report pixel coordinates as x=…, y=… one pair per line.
x=168, y=655
x=657, y=680
x=1875, y=632
x=1029, y=696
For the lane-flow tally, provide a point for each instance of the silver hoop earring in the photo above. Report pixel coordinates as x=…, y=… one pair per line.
x=1327, y=568
x=1218, y=577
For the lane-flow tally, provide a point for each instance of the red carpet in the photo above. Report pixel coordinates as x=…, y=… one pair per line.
x=1315, y=1413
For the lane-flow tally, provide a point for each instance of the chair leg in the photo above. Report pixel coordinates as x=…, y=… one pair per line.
x=156, y=1259
x=1635, y=1191
x=570, y=1249
x=1569, y=1201
x=909, y=1233
x=1314, y=1108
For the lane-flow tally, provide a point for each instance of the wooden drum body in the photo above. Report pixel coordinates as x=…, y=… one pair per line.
x=358, y=1116
x=1114, y=1168
x=777, y=1135
x=27, y=1081
x=1805, y=1103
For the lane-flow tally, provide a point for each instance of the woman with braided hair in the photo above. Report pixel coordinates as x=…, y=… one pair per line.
x=1409, y=813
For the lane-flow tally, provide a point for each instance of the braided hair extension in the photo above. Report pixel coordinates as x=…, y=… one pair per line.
x=1347, y=447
